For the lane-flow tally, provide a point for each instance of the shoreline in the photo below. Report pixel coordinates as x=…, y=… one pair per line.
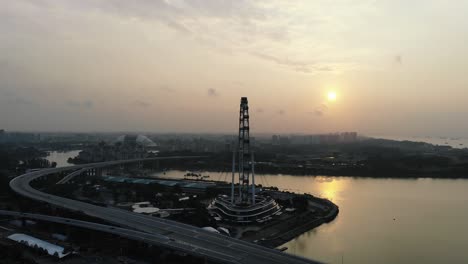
x=306, y=227
x=308, y=222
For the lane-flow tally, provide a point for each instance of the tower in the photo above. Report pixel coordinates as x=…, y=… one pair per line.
x=244, y=206
x=245, y=157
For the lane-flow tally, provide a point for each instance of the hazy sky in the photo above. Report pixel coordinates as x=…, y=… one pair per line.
x=398, y=67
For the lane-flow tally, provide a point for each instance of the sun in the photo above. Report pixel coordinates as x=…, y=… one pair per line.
x=331, y=96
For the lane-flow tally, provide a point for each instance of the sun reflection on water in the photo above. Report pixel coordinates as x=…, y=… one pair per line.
x=331, y=188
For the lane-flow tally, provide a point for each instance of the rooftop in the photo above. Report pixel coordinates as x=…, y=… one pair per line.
x=30, y=241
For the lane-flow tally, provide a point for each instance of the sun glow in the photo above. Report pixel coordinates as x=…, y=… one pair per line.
x=331, y=96
x=332, y=188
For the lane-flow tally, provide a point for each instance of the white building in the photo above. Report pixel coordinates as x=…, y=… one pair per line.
x=32, y=242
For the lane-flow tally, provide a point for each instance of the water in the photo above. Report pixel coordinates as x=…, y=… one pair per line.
x=441, y=141
x=381, y=220
x=62, y=157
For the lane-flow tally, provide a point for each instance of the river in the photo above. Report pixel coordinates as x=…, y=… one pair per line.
x=380, y=220
x=61, y=157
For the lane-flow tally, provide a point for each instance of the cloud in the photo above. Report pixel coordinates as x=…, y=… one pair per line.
x=241, y=26
x=398, y=59
x=280, y=61
x=238, y=83
x=85, y=104
x=141, y=104
x=22, y=101
x=320, y=110
x=12, y=97
x=178, y=27
x=191, y=16
x=296, y=65
x=324, y=68
x=212, y=92
x=166, y=88
x=88, y=104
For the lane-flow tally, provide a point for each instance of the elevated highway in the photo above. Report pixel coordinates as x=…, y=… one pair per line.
x=71, y=176
x=153, y=239
x=185, y=238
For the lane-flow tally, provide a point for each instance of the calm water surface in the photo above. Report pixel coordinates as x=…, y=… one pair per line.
x=380, y=220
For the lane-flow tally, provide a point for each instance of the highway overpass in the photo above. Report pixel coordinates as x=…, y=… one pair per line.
x=185, y=238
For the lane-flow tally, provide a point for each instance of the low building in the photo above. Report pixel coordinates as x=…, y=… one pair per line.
x=264, y=209
x=32, y=242
x=144, y=208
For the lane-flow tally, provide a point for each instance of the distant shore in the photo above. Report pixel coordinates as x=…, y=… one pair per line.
x=449, y=173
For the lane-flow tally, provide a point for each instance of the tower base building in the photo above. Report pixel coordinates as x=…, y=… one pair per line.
x=264, y=209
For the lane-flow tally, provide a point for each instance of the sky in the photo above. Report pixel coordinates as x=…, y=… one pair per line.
x=397, y=67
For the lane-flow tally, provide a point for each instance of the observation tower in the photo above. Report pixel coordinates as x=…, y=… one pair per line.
x=244, y=204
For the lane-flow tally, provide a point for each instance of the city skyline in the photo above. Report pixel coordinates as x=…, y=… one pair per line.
x=395, y=68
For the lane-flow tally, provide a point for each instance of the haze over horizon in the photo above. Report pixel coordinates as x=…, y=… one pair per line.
x=396, y=67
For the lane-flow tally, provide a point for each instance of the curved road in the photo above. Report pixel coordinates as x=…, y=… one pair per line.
x=152, y=239
x=185, y=238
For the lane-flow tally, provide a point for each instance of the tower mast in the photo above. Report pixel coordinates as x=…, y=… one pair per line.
x=244, y=152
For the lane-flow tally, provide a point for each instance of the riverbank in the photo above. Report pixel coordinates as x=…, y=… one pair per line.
x=305, y=227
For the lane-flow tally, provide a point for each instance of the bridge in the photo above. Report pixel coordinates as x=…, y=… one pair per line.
x=166, y=233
